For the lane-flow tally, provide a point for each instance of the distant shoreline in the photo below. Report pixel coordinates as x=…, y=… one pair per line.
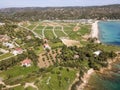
x=95, y=31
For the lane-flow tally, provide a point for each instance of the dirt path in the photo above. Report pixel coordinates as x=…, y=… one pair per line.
x=8, y=86
x=43, y=31
x=31, y=84
x=30, y=31
x=54, y=31
x=35, y=27
x=63, y=31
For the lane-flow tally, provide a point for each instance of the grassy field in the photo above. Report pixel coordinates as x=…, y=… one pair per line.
x=3, y=56
x=59, y=33
x=56, y=45
x=39, y=27
x=39, y=32
x=18, y=88
x=18, y=71
x=49, y=34
x=109, y=48
x=57, y=79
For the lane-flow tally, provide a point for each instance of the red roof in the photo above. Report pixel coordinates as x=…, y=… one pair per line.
x=18, y=49
x=46, y=44
x=28, y=61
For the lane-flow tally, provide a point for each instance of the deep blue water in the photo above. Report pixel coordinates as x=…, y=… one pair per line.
x=109, y=32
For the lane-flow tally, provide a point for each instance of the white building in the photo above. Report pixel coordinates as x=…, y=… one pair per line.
x=97, y=53
x=9, y=45
x=17, y=51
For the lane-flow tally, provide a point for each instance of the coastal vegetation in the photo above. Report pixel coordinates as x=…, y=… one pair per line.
x=54, y=64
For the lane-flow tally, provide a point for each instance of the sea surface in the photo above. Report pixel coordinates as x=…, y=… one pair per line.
x=109, y=80
x=109, y=33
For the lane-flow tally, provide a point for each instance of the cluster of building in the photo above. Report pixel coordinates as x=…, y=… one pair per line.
x=12, y=48
x=5, y=40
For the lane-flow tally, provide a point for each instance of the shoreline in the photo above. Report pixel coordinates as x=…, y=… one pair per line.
x=87, y=75
x=85, y=79
x=95, y=31
x=110, y=62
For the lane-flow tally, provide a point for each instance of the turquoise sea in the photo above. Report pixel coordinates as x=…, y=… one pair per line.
x=109, y=33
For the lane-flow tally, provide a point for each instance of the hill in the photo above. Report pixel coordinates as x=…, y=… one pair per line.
x=52, y=13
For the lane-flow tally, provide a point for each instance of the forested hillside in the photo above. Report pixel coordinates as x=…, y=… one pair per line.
x=52, y=13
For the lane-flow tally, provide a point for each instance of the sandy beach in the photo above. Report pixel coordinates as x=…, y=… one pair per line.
x=95, y=31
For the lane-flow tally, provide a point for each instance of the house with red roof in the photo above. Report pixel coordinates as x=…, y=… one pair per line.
x=17, y=51
x=27, y=62
x=46, y=46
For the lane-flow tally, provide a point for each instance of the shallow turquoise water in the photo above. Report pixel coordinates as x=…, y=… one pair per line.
x=109, y=80
x=109, y=32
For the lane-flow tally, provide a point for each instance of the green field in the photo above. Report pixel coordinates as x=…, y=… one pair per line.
x=68, y=28
x=18, y=71
x=3, y=56
x=49, y=34
x=57, y=79
x=39, y=27
x=59, y=32
x=39, y=32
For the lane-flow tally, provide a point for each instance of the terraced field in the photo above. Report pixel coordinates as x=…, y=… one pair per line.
x=59, y=33
x=52, y=30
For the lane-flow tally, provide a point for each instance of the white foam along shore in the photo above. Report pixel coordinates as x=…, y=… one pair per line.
x=95, y=31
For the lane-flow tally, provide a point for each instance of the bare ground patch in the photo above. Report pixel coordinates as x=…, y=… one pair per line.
x=69, y=42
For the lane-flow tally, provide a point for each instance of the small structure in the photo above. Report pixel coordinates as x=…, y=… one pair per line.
x=27, y=62
x=46, y=46
x=17, y=51
x=76, y=56
x=9, y=45
x=97, y=53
